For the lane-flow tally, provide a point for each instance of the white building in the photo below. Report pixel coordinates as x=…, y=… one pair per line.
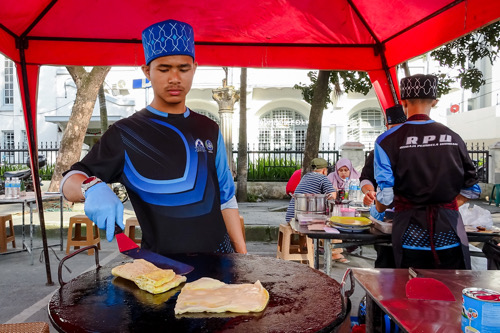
x=277, y=115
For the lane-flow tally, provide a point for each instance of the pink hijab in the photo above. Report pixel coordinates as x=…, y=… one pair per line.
x=338, y=183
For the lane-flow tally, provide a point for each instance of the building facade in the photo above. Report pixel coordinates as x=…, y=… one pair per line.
x=277, y=115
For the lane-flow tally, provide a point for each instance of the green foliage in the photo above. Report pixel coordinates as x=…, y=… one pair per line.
x=463, y=53
x=267, y=169
x=352, y=81
x=45, y=173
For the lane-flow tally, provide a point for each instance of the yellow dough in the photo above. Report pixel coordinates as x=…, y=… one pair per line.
x=210, y=295
x=149, y=277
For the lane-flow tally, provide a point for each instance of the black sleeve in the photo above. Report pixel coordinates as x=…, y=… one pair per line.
x=106, y=158
x=368, y=172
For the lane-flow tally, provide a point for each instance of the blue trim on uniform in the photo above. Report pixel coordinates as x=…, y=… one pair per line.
x=165, y=114
x=159, y=186
x=382, y=168
x=416, y=122
x=428, y=248
x=386, y=133
x=224, y=175
x=474, y=189
x=158, y=196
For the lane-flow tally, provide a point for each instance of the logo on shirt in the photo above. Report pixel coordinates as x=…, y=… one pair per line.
x=210, y=146
x=199, y=147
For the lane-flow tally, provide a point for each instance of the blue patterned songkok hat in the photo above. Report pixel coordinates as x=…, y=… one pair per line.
x=167, y=38
x=419, y=86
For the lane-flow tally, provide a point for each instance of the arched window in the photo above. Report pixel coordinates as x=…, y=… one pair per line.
x=365, y=126
x=282, y=129
x=208, y=114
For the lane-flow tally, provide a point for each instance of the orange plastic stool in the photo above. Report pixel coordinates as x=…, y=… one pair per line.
x=130, y=224
x=91, y=235
x=303, y=251
x=4, y=238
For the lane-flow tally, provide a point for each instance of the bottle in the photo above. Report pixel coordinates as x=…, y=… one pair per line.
x=16, y=187
x=8, y=188
x=346, y=189
x=355, y=190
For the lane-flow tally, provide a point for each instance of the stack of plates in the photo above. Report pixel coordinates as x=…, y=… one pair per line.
x=350, y=224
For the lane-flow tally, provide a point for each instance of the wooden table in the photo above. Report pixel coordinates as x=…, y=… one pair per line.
x=30, y=199
x=385, y=290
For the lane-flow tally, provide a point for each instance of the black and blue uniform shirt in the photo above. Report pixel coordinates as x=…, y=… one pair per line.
x=425, y=163
x=175, y=170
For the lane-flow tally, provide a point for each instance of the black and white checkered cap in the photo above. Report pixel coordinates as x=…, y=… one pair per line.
x=419, y=86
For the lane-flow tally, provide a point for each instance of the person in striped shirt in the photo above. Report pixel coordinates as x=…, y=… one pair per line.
x=314, y=182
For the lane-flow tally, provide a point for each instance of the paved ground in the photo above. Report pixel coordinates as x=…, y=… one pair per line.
x=24, y=294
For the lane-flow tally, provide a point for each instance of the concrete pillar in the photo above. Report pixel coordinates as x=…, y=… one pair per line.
x=355, y=153
x=226, y=97
x=494, y=164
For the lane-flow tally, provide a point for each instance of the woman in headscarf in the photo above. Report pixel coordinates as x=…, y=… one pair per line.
x=343, y=170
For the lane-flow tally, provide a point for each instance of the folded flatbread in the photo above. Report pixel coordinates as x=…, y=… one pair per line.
x=210, y=295
x=148, y=277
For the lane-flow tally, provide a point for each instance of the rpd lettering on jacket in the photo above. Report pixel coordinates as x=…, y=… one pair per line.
x=428, y=141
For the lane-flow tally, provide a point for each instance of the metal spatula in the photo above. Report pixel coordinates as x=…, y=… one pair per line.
x=128, y=247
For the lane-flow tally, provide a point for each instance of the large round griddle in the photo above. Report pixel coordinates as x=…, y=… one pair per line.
x=301, y=299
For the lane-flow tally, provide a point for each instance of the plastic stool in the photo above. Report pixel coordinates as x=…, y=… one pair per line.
x=91, y=237
x=495, y=191
x=4, y=238
x=130, y=224
x=35, y=327
x=303, y=251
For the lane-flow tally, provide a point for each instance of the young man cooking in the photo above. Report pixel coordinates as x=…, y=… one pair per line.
x=171, y=160
x=424, y=169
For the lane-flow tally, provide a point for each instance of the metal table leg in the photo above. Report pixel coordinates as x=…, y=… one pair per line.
x=23, y=233
x=327, y=245
x=316, y=253
x=31, y=231
x=61, y=225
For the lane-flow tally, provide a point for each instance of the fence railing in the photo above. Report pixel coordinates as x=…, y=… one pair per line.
x=279, y=164
x=480, y=157
x=263, y=165
x=16, y=156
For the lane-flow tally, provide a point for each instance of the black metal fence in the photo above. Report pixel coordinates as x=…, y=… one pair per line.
x=263, y=165
x=16, y=156
x=278, y=165
x=480, y=157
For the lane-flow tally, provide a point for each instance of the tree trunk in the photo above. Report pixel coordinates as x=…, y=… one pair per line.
x=103, y=110
x=315, y=117
x=87, y=84
x=406, y=68
x=242, y=170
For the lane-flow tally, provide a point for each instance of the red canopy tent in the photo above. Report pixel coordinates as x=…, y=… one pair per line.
x=366, y=35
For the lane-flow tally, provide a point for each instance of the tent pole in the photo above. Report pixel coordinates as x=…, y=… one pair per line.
x=32, y=143
x=389, y=77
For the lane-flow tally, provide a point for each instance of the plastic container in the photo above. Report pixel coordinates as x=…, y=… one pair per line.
x=348, y=212
x=311, y=218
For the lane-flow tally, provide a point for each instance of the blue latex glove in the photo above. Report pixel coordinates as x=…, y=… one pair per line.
x=104, y=208
x=375, y=214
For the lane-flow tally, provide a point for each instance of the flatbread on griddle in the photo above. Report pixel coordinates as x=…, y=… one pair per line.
x=210, y=295
x=148, y=277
